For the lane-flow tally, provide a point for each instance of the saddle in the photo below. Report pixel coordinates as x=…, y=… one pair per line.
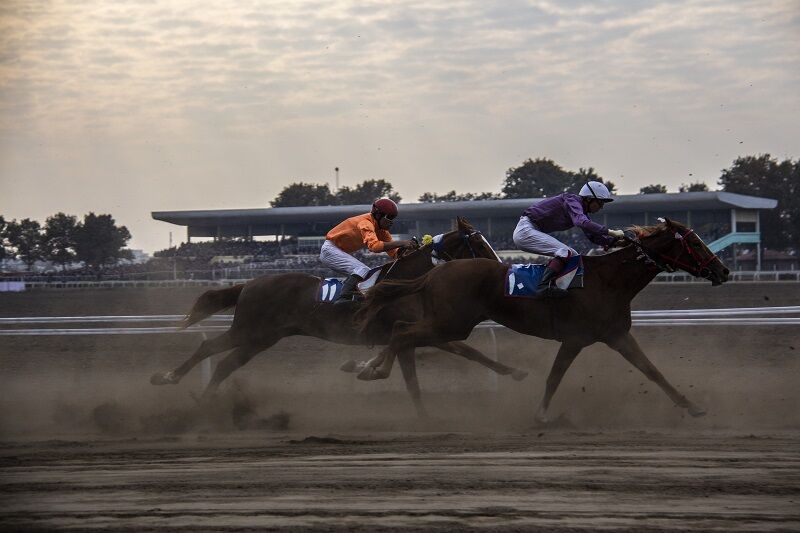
x=522, y=280
x=329, y=288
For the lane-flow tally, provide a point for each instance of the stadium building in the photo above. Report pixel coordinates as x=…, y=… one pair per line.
x=724, y=220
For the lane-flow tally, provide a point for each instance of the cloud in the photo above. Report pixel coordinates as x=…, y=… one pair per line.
x=501, y=81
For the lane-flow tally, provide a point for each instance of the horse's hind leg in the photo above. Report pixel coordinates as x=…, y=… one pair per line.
x=233, y=361
x=564, y=358
x=408, y=365
x=207, y=348
x=630, y=350
x=467, y=351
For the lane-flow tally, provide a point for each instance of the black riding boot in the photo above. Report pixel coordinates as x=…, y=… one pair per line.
x=547, y=287
x=349, y=289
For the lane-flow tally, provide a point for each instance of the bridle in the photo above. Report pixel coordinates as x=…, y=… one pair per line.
x=667, y=263
x=437, y=246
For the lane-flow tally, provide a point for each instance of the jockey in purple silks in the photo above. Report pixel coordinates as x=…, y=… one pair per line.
x=559, y=213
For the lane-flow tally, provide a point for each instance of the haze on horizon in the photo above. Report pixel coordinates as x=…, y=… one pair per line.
x=139, y=106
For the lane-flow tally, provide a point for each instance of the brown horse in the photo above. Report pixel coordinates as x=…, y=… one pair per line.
x=453, y=299
x=270, y=308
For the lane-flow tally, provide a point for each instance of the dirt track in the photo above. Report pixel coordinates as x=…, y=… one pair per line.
x=293, y=443
x=548, y=479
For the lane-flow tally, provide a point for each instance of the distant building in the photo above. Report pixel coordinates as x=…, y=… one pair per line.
x=724, y=220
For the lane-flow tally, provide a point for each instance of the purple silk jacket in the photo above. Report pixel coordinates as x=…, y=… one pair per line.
x=563, y=212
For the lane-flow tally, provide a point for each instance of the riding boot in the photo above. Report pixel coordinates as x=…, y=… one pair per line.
x=547, y=287
x=349, y=289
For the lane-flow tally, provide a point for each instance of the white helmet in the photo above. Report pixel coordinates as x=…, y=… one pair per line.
x=596, y=190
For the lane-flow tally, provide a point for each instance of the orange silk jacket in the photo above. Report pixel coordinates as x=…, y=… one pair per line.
x=359, y=231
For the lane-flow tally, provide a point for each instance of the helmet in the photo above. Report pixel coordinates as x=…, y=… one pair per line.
x=385, y=207
x=594, y=190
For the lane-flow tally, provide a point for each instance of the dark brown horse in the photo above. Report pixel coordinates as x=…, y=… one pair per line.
x=452, y=299
x=270, y=308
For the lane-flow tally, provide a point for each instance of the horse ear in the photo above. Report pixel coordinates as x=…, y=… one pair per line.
x=463, y=224
x=667, y=222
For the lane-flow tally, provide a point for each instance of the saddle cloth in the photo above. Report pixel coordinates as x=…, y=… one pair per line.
x=329, y=288
x=522, y=280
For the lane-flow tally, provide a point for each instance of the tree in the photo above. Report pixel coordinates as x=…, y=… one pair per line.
x=588, y=174
x=543, y=177
x=698, y=186
x=3, y=251
x=764, y=176
x=100, y=242
x=366, y=193
x=452, y=196
x=25, y=237
x=653, y=189
x=304, y=194
x=59, y=239
x=536, y=179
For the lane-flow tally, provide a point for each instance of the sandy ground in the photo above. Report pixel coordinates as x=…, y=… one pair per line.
x=87, y=442
x=544, y=480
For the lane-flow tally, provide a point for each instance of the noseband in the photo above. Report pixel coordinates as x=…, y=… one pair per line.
x=440, y=254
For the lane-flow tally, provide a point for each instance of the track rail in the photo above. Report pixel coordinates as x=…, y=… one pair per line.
x=738, y=316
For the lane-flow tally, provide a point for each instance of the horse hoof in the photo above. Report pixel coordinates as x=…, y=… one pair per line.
x=353, y=367
x=519, y=375
x=163, y=378
x=349, y=366
x=367, y=374
x=371, y=374
x=696, y=411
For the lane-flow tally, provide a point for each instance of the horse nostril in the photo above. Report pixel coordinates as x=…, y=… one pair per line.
x=726, y=271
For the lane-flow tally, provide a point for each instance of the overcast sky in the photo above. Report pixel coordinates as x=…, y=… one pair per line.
x=128, y=107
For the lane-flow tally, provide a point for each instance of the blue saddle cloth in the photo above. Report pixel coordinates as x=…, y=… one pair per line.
x=329, y=288
x=522, y=280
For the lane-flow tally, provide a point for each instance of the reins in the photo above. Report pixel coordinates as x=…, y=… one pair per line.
x=667, y=263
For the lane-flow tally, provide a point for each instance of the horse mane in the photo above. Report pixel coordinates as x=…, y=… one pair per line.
x=655, y=229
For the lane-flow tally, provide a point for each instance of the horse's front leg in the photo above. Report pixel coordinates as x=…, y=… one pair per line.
x=566, y=354
x=408, y=365
x=630, y=350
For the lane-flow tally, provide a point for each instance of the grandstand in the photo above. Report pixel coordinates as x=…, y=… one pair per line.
x=724, y=220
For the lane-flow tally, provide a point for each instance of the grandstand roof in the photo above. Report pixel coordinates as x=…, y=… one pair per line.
x=627, y=203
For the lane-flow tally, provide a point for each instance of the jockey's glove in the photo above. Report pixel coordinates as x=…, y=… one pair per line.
x=616, y=233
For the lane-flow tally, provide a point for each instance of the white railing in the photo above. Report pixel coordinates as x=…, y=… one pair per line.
x=738, y=316
x=664, y=277
x=739, y=275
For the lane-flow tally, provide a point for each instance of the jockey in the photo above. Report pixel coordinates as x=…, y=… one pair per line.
x=559, y=213
x=370, y=230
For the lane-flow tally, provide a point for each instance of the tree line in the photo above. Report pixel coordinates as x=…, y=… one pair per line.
x=96, y=240
x=759, y=175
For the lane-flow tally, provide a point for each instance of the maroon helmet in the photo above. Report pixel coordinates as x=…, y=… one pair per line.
x=384, y=207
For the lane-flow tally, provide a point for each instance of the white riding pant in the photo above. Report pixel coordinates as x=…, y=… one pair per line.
x=337, y=259
x=530, y=239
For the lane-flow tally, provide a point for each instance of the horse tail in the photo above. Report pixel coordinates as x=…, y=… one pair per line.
x=211, y=302
x=381, y=295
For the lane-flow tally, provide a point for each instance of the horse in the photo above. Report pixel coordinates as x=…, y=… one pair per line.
x=452, y=299
x=269, y=308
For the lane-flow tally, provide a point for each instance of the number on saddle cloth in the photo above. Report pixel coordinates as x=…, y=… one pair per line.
x=522, y=280
x=329, y=288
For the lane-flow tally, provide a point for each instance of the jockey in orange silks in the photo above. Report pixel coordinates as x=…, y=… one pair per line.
x=370, y=230
x=559, y=213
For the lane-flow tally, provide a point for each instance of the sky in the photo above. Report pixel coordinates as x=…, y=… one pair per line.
x=129, y=107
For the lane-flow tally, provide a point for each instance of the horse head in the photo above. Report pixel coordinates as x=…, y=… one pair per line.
x=671, y=246
x=464, y=242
